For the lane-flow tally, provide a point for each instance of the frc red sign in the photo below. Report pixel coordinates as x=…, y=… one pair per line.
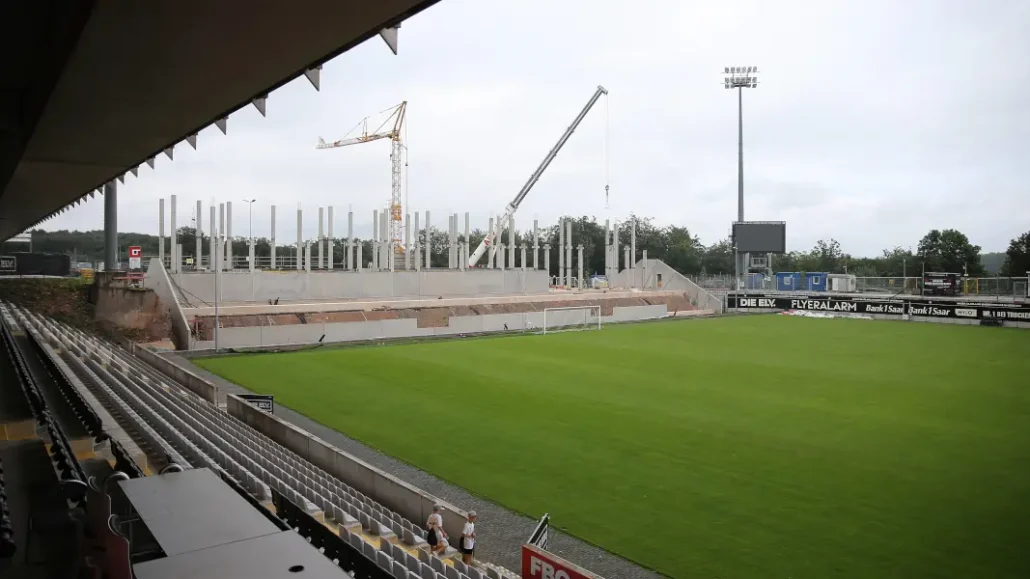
x=540, y=564
x=135, y=251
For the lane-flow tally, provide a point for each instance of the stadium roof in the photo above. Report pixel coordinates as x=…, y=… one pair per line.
x=90, y=90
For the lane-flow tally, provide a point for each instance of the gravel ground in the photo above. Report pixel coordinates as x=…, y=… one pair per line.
x=500, y=532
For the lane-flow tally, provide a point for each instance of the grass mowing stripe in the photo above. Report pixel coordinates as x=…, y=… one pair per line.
x=737, y=447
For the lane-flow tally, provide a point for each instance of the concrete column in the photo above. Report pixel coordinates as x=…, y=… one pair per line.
x=607, y=249
x=198, y=257
x=386, y=258
x=321, y=238
x=568, y=253
x=307, y=257
x=407, y=241
x=111, y=224
x=615, y=249
x=300, y=239
x=450, y=241
x=178, y=256
x=175, y=240
x=643, y=269
x=500, y=256
x=547, y=259
x=228, y=235
x=429, y=243
x=332, y=240
x=465, y=245
x=375, y=240
x=625, y=255
x=250, y=249
x=490, y=249
x=213, y=243
x=221, y=236
x=632, y=252
x=523, y=246
x=536, y=245
x=511, y=241
x=358, y=265
x=579, y=262
x=272, y=255
x=160, y=228
x=561, y=253
x=417, y=250
x=351, y=265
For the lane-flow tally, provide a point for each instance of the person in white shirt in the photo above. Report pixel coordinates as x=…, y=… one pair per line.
x=436, y=537
x=468, y=538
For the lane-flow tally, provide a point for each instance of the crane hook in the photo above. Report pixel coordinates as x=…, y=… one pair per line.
x=606, y=197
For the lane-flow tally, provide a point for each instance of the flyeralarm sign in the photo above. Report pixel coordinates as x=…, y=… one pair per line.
x=540, y=564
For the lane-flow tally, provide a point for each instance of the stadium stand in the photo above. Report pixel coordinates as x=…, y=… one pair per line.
x=187, y=432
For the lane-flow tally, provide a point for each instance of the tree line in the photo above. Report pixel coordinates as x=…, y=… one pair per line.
x=947, y=250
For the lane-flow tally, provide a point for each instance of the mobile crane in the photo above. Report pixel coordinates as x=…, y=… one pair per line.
x=514, y=205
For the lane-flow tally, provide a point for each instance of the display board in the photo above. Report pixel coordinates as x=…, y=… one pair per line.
x=135, y=257
x=760, y=236
x=8, y=264
x=262, y=402
x=882, y=305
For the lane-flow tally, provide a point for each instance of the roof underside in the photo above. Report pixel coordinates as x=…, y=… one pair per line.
x=90, y=90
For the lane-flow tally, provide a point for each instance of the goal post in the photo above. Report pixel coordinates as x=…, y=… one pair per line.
x=572, y=318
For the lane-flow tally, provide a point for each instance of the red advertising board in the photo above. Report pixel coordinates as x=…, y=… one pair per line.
x=135, y=251
x=540, y=564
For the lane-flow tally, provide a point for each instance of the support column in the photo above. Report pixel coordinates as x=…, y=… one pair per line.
x=375, y=240
x=643, y=270
x=110, y=224
x=450, y=241
x=547, y=261
x=351, y=260
x=625, y=252
x=491, y=248
x=175, y=240
x=213, y=242
x=500, y=256
x=198, y=257
x=511, y=241
x=523, y=247
x=160, y=228
x=228, y=236
x=250, y=254
x=568, y=253
x=221, y=236
x=331, y=240
x=429, y=243
x=417, y=250
x=358, y=265
x=407, y=241
x=465, y=245
x=272, y=265
x=561, y=253
x=615, y=250
x=607, y=250
x=307, y=257
x=633, y=252
x=321, y=238
x=579, y=262
x=300, y=238
x=536, y=245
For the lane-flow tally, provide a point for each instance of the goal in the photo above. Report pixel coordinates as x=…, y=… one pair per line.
x=572, y=318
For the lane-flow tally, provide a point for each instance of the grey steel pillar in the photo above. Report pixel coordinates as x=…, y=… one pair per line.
x=429, y=243
x=511, y=241
x=417, y=250
x=375, y=239
x=407, y=241
x=465, y=245
x=300, y=239
x=212, y=259
x=561, y=252
x=228, y=236
x=547, y=261
x=633, y=252
x=320, y=240
x=490, y=246
x=332, y=240
x=175, y=239
x=351, y=260
x=536, y=245
x=579, y=262
x=198, y=258
x=523, y=247
x=160, y=228
x=568, y=252
x=110, y=224
x=272, y=256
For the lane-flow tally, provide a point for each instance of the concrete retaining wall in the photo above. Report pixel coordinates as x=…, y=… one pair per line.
x=285, y=335
x=652, y=269
x=262, y=286
x=410, y=502
x=191, y=381
x=157, y=279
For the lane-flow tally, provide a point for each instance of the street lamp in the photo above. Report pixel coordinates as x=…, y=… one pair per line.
x=740, y=77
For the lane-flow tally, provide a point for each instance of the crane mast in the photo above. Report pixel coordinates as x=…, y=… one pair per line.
x=397, y=115
x=514, y=205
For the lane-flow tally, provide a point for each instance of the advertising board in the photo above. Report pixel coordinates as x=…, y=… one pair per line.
x=540, y=564
x=135, y=257
x=881, y=305
x=260, y=401
x=8, y=264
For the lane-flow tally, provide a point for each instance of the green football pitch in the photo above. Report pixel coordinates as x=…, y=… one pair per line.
x=743, y=447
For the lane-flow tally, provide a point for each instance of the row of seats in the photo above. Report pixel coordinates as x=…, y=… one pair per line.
x=83, y=411
x=207, y=436
x=7, y=546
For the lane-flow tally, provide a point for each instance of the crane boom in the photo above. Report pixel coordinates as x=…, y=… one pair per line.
x=514, y=205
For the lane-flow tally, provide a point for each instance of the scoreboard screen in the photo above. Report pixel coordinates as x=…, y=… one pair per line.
x=942, y=284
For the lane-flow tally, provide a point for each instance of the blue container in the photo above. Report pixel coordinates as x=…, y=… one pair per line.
x=788, y=281
x=815, y=281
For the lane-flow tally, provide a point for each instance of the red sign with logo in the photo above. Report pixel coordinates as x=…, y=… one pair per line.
x=135, y=251
x=540, y=564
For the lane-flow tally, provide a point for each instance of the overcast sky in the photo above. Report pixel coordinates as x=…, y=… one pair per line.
x=875, y=121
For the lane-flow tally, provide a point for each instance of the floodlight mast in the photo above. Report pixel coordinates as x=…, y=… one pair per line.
x=502, y=222
x=740, y=77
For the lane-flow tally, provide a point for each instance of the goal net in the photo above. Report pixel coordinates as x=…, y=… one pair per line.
x=573, y=318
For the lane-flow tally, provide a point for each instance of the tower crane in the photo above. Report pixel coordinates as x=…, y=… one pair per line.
x=396, y=155
x=514, y=205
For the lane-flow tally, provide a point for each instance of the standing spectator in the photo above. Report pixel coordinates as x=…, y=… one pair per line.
x=468, y=538
x=436, y=537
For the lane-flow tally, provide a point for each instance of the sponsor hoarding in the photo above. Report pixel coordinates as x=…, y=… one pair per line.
x=880, y=305
x=8, y=263
x=260, y=401
x=540, y=564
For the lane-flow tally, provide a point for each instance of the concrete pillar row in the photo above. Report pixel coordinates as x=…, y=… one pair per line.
x=272, y=264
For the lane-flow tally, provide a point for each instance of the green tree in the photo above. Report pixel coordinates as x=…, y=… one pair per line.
x=1017, y=258
x=950, y=251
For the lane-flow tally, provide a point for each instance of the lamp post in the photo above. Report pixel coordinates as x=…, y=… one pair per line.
x=740, y=77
